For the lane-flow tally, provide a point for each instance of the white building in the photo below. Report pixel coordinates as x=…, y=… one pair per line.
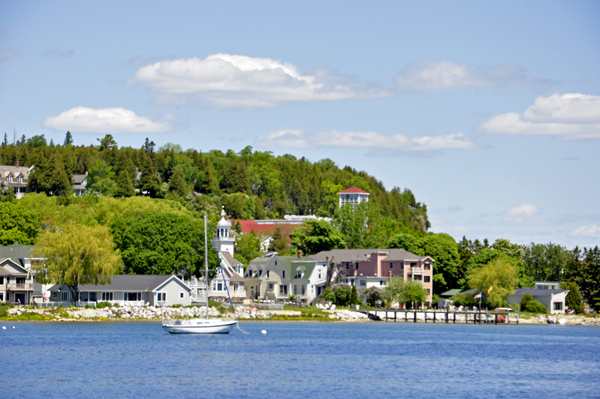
x=553, y=299
x=353, y=196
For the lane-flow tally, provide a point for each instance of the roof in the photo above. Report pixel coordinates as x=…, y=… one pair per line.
x=125, y=282
x=16, y=252
x=537, y=292
x=230, y=259
x=292, y=263
x=359, y=255
x=548, y=282
x=353, y=190
x=5, y=170
x=451, y=292
x=265, y=229
x=78, y=179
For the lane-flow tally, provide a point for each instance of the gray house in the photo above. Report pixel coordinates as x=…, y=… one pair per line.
x=128, y=290
x=554, y=300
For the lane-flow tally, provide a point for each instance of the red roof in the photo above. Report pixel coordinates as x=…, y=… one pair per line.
x=266, y=229
x=353, y=190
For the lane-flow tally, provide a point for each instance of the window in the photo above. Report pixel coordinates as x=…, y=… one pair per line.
x=235, y=286
x=162, y=296
x=267, y=273
x=347, y=266
x=356, y=266
x=303, y=290
x=363, y=283
x=298, y=274
x=295, y=289
x=270, y=286
x=65, y=296
x=283, y=274
x=214, y=286
x=1, y=280
x=283, y=289
x=381, y=282
x=427, y=266
x=181, y=295
x=107, y=296
x=391, y=265
x=219, y=286
x=319, y=274
x=260, y=273
x=428, y=291
x=558, y=306
x=427, y=279
x=275, y=263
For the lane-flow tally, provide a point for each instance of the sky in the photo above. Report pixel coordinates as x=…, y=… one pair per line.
x=488, y=111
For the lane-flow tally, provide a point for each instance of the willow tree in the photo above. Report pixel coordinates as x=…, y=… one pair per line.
x=497, y=279
x=77, y=254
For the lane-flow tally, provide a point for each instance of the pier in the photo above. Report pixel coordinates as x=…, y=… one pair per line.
x=441, y=316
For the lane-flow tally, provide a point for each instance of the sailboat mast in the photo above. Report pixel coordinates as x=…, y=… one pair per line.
x=206, y=263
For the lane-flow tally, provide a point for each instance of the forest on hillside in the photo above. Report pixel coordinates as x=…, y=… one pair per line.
x=250, y=184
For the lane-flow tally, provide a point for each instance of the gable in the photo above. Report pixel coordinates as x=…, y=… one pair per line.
x=11, y=267
x=172, y=281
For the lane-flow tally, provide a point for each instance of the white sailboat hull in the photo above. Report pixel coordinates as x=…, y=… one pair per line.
x=199, y=326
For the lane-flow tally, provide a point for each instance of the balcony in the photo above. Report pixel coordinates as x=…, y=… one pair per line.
x=20, y=287
x=416, y=270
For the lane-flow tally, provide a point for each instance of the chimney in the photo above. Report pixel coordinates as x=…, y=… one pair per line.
x=86, y=172
x=299, y=253
x=137, y=170
x=355, y=272
x=17, y=164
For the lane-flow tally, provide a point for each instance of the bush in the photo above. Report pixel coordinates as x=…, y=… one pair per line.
x=3, y=310
x=467, y=300
x=525, y=301
x=573, y=299
x=102, y=305
x=373, y=295
x=535, y=306
x=343, y=295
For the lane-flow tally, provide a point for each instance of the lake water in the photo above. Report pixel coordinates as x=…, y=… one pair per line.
x=300, y=360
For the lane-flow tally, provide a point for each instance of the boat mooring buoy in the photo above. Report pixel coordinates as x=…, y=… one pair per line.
x=13, y=327
x=264, y=332
x=3, y=327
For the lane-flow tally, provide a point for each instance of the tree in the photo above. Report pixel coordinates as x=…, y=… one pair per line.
x=279, y=243
x=487, y=255
x=177, y=185
x=124, y=185
x=77, y=254
x=354, y=299
x=162, y=243
x=236, y=179
x=36, y=141
x=149, y=180
x=247, y=247
x=101, y=179
x=68, y=139
x=354, y=221
x=373, y=295
x=408, y=242
x=415, y=293
x=107, y=143
x=573, y=299
x=545, y=262
x=497, y=279
x=49, y=176
x=395, y=291
x=343, y=295
x=17, y=224
x=315, y=236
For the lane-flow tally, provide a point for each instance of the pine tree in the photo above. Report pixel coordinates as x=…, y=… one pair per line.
x=279, y=244
x=124, y=185
x=68, y=139
x=149, y=179
x=177, y=184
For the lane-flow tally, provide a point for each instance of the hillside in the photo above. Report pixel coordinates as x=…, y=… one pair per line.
x=251, y=184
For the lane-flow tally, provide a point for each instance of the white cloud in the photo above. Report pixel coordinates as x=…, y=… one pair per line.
x=105, y=120
x=589, y=230
x=442, y=75
x=335, y=139
x=524, y=210
x=569, y=116
x=224, y=80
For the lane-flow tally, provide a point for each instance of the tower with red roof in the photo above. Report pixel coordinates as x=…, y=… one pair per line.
x=353, y=196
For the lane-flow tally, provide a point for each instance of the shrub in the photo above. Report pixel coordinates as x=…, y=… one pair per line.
x=467, y=300
x=535, y=306
x=343, y=295
x=525, y=301
x=3, y=310
x=573, y=299
x=178, y=305
x=102, y=305
x=373, y=295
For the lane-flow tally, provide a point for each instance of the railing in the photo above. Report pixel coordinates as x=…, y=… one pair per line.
x=20, y=286
x=416, y=270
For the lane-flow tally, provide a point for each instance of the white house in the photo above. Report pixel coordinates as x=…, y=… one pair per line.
x=21, y=255
x=79, y=184
x=353, y=196
x=128, y=290
x=553, y=299
x=547, y=285
x=16, y=177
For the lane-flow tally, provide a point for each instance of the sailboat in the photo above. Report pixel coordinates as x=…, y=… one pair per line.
x=200, y=326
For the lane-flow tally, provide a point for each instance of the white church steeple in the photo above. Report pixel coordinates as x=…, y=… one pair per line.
x=223, y=242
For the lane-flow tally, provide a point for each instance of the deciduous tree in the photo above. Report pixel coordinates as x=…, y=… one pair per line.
x=315, y=236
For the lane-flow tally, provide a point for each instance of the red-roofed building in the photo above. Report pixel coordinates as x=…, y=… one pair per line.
x=353, y=196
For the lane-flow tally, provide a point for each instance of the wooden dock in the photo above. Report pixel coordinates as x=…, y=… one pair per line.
x=441, y=316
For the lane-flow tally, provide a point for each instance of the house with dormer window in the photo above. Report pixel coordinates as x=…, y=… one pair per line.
x=16, y=177
x=278, y=277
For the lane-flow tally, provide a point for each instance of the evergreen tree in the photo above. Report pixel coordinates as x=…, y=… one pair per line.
x=236, y=179
x=68, y=139
x=177, y=184
x=279, y=244
x=5, y=142
x=149, y=180
x=124, y=185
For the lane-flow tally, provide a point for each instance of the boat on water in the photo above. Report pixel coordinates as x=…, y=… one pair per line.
x=200, y=326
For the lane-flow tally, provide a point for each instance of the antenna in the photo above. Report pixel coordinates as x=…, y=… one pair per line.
x=15, y=136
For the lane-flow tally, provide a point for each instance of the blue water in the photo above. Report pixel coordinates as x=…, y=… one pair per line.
x=300, y=360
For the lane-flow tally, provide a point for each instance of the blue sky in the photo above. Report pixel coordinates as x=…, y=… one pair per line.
x=488, y=112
